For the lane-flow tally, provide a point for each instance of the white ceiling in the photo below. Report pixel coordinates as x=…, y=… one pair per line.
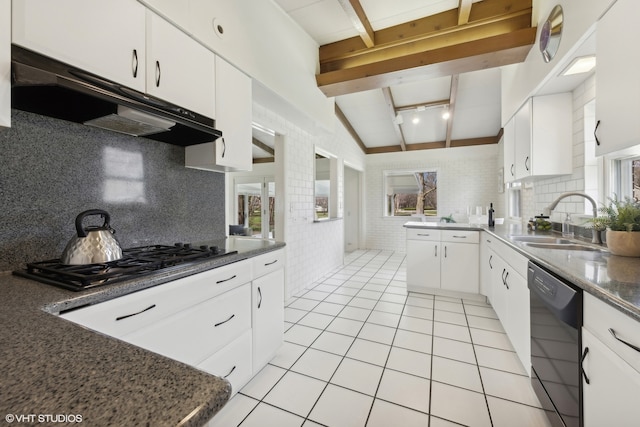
x=477, y=104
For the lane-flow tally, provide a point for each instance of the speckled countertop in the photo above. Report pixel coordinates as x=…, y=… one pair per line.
x=613, y=279
x=55, y=368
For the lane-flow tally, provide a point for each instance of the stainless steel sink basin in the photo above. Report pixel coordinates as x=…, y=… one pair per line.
x=541, y=239
x=564, y=246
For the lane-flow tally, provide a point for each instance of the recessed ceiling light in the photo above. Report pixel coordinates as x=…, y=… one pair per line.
x=415, y=120
x=446, y=114
x=583, y=64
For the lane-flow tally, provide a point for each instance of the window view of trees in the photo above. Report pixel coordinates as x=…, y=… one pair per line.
x=635, y=167
x=411, y=193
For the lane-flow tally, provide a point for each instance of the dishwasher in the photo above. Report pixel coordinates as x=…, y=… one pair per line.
x=556, y=319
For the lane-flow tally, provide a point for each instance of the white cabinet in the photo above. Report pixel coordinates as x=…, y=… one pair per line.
x=617, y=83
x=434, y=258
x=267, y=297
x=538, y=138
x=510, y=296
x=5, y=63
x=233, y=117
x=122, y=41
x=233, y=362
x=176, y=12
x=509, y=147
x=179, y=69
x=104, y=38
x=611, y=396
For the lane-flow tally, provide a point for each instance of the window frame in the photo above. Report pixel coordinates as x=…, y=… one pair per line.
x=400, y=172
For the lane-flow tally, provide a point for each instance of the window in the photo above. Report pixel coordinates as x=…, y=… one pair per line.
x=255, y=205
x=411, y=193
x=513, y=189
x=322, y=187
x=629, y=176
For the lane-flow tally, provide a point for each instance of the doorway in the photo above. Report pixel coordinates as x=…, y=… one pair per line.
x=352, y=209
x=255, y=205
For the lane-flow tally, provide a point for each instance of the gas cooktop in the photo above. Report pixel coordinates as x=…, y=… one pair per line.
x=135, y=262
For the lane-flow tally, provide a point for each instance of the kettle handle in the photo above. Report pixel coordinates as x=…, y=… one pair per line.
x=80, y=230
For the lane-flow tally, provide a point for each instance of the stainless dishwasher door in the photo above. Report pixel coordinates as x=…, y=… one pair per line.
x=556, y=319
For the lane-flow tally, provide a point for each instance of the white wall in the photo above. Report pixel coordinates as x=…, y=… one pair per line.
x=467, y=176
x=313, y=248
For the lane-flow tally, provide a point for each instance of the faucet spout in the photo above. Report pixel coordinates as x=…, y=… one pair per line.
x=595, y=235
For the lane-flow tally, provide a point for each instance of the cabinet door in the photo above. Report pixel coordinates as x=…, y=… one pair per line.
x=423, y=265
x=487, y=265
x=179, y=69
x=104, y=38
x=611, y=396
x=233, y=117
x=523, y=141
x=267, y=298
x=460, y=267
x=518, y=326
x=5, y=63
x=498, y=288
x=509, y=147
x=618, y=100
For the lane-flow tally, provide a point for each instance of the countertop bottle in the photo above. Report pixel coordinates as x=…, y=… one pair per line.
x=490, y=212
x=566, y=226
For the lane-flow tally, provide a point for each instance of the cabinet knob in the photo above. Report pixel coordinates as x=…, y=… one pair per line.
x=595, y=135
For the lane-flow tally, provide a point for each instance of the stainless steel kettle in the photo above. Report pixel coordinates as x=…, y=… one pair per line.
x=93, y=244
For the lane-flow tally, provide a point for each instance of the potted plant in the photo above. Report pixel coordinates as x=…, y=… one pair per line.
x=621, y=219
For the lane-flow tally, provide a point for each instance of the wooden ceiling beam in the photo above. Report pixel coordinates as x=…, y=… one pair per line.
x=359, y=19
x=345, y=122
x=391, y=109
x=264, y=147
x=453, y=94
x=432, y=145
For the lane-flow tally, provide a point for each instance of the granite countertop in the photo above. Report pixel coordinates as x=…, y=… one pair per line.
x=613, y=279
x=54, y=368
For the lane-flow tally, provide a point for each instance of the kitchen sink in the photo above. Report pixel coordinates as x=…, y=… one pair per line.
x=541, y=239
x=570, y=246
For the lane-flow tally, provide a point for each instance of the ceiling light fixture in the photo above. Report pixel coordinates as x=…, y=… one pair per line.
x=398, y=120
x=582, y=64
x=415, y=120
x=446, y=114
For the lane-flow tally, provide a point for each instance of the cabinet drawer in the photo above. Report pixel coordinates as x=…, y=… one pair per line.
x=423, y=234
x=266, y=263
x=199, y=331
x=128, y=313
x=600, y=318
x=460, y=236
x=233, y=362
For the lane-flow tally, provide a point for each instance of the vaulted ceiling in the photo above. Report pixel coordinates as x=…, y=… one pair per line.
x=395, y=67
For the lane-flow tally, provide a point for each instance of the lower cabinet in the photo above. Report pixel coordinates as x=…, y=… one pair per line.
x=509, y=295
x=610, y=366
x=226, y=321
x=435, y=257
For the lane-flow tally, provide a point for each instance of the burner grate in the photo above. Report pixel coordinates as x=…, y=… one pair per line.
x=136, y=262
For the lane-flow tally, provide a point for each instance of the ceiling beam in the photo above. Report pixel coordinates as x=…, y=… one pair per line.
x=391, y=109
x=345, y=122
x=453, y=94
x=359, y=19
x=438, y=144
x=423, y=104
x=264, y=160
x=499, y=33
x=464, y=11
x=264, y=147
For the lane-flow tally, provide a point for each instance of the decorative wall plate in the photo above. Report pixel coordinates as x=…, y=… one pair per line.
x=551, y=33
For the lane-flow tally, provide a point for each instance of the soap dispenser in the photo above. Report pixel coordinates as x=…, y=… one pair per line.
x=492, y=221
x=566, y=226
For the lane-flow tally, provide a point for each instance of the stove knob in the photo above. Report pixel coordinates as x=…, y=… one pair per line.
x=177, y=245
x=215, y=249
x=204, y=247
x=187, y=245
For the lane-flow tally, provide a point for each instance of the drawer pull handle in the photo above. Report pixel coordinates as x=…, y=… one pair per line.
x=459, y=237
x=422, y=234
x=260, y=296
x=230, y=372
x=636, y=348
x=224, y=321
x=158, y=73
x=584, y=374
x=490, y=258
x=226, y=280
x=436, y=248
x=134, y=63
x=270, y=263
x=135, y=314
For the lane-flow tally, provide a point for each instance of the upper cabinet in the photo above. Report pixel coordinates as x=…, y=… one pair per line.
x=104, y=38
x=179, y=69
x=617, y=82
x=233, y=117
x=5, y=63
x=538, y=138
x=122, y=41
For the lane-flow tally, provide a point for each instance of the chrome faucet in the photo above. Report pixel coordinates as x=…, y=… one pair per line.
x=595, y=234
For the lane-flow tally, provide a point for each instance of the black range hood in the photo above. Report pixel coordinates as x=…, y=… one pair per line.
x=45, y=86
